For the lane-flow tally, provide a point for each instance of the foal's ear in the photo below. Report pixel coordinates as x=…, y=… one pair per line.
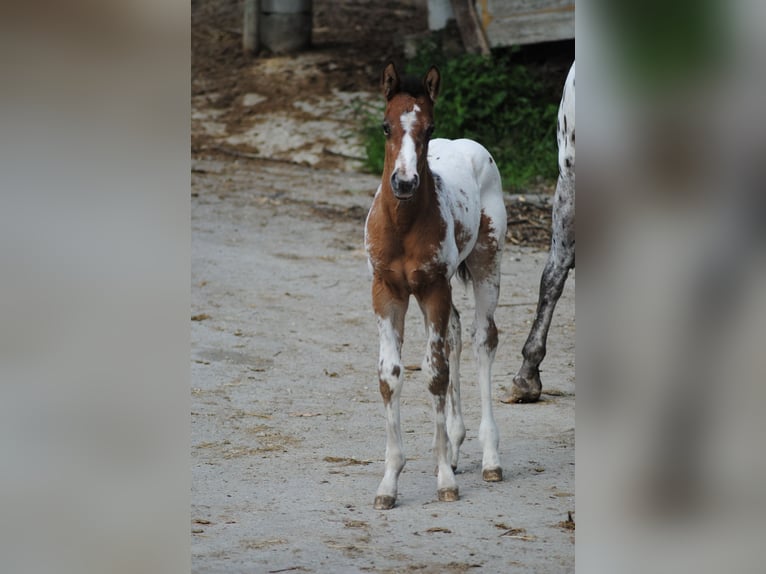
x=431, y=82
x=389, y=81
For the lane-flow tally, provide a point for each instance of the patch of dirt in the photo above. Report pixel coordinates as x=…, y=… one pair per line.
x=302, y=108
x=569, y=523
x=529, y=223
x=340, y=28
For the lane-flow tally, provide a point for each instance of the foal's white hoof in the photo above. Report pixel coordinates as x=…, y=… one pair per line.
x=384, y=502
x=492, y=474
x=448, y=494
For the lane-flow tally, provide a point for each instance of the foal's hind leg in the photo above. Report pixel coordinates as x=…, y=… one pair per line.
x=526, y=386
x=484, y=266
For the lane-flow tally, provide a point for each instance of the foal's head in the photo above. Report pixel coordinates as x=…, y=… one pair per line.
x=408, y=124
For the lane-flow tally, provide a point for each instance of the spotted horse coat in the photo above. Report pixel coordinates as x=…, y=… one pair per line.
x=526, y=385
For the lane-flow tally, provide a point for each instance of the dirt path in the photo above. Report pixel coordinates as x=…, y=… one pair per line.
x=287, y=422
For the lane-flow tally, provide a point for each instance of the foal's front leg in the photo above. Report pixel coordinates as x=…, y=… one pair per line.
x=436, y=303
x=455, y=425
x=390, y=311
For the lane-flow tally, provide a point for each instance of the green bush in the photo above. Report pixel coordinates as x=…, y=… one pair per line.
x=508, y=107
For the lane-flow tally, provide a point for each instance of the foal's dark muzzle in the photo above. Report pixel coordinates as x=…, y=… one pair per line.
x=404, y=188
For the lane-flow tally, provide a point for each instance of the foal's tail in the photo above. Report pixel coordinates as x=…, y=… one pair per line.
x=463, y=273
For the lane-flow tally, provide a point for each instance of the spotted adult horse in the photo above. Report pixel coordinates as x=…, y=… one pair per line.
x=526, y=387
x=438, y=211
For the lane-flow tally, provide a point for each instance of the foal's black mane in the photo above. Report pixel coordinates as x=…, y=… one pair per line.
x=412, y=85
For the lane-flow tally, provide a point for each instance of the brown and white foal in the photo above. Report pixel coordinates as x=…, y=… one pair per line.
x=438, y=210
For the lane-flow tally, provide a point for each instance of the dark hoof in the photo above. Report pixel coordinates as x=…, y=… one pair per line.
x=524, y=390
x=384, y=502
x=492, y=474
x=448, y=494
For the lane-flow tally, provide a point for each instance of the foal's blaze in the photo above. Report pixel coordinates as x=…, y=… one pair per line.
x=407, y=125
x=439, y=208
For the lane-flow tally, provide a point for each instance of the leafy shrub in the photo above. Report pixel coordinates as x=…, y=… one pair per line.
x=510, y=107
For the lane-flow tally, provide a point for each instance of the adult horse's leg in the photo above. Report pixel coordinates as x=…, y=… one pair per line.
x=526, y=386
x=455, y=424
x=390, y=311
x=436, y=302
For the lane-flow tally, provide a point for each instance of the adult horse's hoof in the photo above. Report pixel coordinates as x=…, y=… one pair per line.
x=448, y=494
x=492, y=474
x=524, y=390
x=384, y=502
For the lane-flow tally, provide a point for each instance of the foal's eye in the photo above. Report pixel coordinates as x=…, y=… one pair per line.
x=386, y=129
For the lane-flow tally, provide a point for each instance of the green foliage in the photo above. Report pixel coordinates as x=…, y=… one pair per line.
x=508, y=107
x=372, y=136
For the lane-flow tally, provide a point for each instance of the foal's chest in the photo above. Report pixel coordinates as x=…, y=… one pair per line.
x=410, y=262
x=410, y=275
x=427, y=251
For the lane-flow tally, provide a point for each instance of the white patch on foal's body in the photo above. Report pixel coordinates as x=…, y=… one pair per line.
x=373, y=207
x=467, y=179
x=433, y=339
x=390, y=359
